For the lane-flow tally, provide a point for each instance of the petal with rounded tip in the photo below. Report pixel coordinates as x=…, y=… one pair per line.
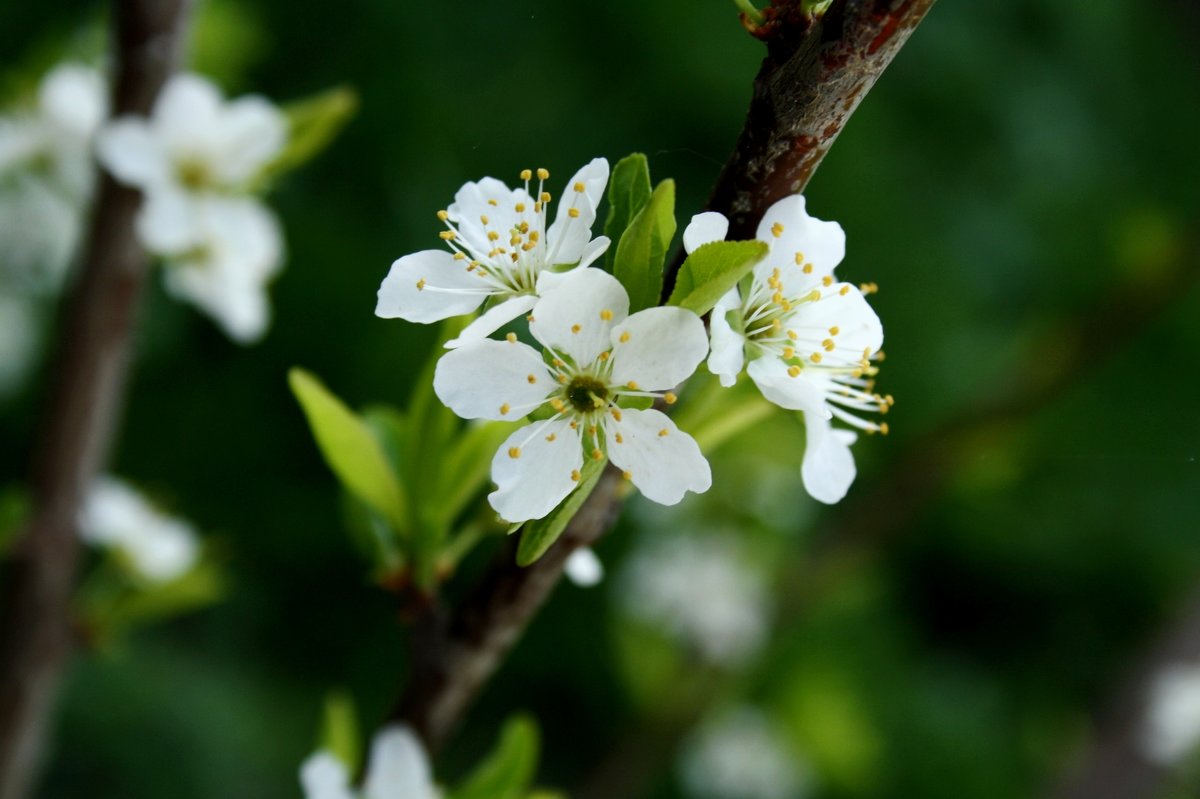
x=823, y=244
x=828, y=467
x=576, y=316
x=657, y=348
x=129, y=150
x=858, y=326
x=704, y=228
x=186, y=115
x=252, y=131
x=486, y=379
x=398, y=767
x=661, y=460
x=429, y=286
x=535, y=469
x=568, y=237
x=728, y=346
x=323, y=776
x=493, y=319
x=777, y=385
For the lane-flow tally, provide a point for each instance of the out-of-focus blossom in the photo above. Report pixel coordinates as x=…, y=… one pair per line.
x=197, y=159
x=397, y=769
x=738, y=755
x=159, y=547
x=501, y=250
x=1172, y=726
x=702, y=591
x=584, y=568
x=806, y=340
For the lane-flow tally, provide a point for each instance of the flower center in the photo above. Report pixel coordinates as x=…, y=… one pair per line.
x=586, y=394
x=193, y=174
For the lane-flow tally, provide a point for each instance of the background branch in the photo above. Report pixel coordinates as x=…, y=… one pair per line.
x=812, y=80
x=80, y=413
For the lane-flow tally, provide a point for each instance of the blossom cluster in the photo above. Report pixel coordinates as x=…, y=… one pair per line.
x=808, y=342
x=199, y=162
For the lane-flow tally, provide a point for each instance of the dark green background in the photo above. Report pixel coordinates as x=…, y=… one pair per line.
x=1020, y=164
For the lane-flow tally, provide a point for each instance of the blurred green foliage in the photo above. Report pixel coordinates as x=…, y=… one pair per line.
x=1021, y=165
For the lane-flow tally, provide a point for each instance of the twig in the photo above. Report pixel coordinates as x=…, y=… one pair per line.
x=812, y=80
x=81, y=412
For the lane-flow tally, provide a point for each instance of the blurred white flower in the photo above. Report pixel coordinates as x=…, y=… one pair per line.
x=702, y=591
x=397, y=769
x=46, y=175
x=18, y=342
x=804, y=339
x=598, y=353
x=196, y=159
x=584, y=568
x=159, y=547
x=501, y=250
x=738, y=755
x=1172, y=728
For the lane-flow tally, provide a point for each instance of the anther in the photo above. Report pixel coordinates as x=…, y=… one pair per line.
x=670, y=398
x=579, y=187
x=575, y=475
x=460, y=256
x=777, y=230
x=807, y=269
x=815, y=357
x=793, y=371
x=526, y=174
x=632, y=384
x=662, y=433
x=616, y=412
x=532, y=379
x=483, y=218
x=619, y=438
x=421, y=284
x=519, y=208
x=446, y=235
x=514, y=452
x=552, y=436
x=597, y=455
x=833, y=331
x=606, y=315
x=627, y=475
x=827, y=281
x=493, y=235
x=575, y=328
x=789, y=353
x=543, y=174
x=828, y=345
x=624, y=337
x=443, y=215
x=504, y=409
x=545, y=198
x=512, y=338
x=573, y=213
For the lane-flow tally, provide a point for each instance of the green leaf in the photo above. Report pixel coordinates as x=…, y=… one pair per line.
x=466, y=467
x=712, y=270
x=339, y=730
x=643, y=248
x=628, y=191
x=312, y=125
x=14, y=510
x=539, y=534
x=350, y=449
x=113, y=609
x=510, y=767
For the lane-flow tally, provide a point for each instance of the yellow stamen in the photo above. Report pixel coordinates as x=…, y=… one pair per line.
x=504, y=409
x=514, y=452
x=670, y=398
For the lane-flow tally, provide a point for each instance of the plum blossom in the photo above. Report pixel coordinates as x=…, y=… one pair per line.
x=583, y=568
x=1172, y=728
x=159, y=547
x=598, y=354
x=739, y=755
x=806, y=340
x=46, y=175
x=701, y=590
x=501, y=250
x=398, y=768
x=197, y=159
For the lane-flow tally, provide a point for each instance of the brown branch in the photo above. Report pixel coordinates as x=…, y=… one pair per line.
x=814, y=76
x=81, y=412
x=812, y=80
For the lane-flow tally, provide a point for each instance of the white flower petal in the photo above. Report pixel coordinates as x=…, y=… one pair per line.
x=323, y=776
x=166, y=552
x=186, y=115
x=823, y=244
x=251, y=132
x=133, y=154
x=488, y=379
x=658, y=348
x=568, y=236
x=777, y=385
x=398, y=767
x=170, y=222
x=73, y=97
x=576, y=316
x=489, y=199
x=448, y=289
x=595, y=248
x=583, y=568
x=704, y=228
x=828, y=467
x=493, y=319
x=859, y=328
x=548, y=457
x=728, y=345
x=661, y=460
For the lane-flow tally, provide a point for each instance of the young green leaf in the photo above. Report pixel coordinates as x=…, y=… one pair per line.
x=539, y=534
x=643, y=248
x=339, y=730
x=712, y=270
x=350, y=449
x=628, y=191
x=509, y=769
x=312, y=125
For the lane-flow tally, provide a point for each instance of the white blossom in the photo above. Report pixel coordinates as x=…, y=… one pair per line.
x=159, y=547
x=398, y=768
x=501, y=251
x=739, y=755
x=583, y=568
x=1172, y=727
x=701, y=590
x=806, y=340
x=598, y=354
x=197, y=159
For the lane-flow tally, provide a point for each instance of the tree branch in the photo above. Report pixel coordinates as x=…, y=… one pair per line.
x=81, y=412
x=813, y=78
